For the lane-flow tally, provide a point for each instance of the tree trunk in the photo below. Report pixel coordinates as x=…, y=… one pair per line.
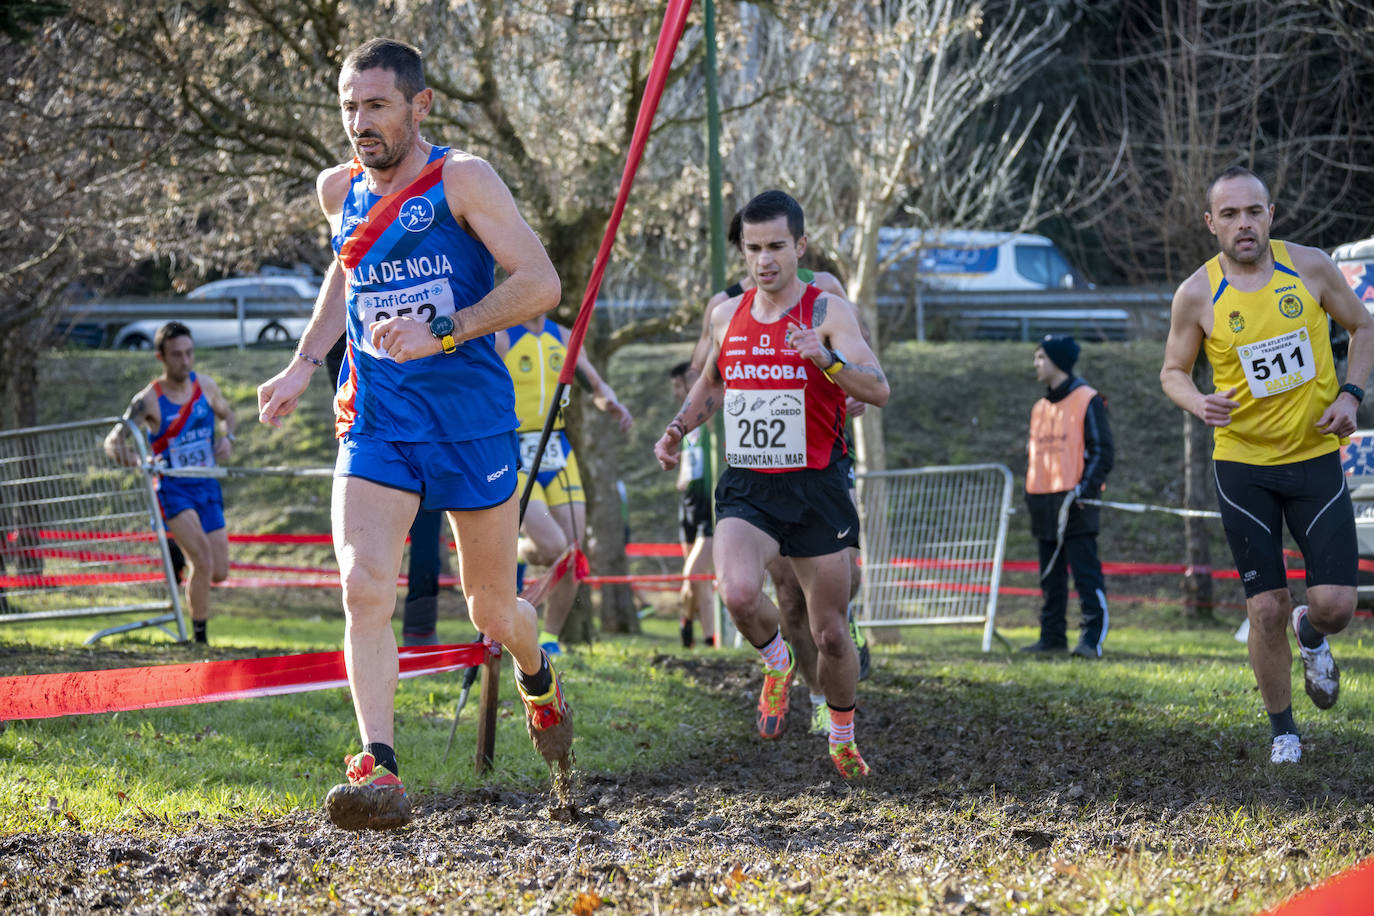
x=1197, y=441
x=606, y=522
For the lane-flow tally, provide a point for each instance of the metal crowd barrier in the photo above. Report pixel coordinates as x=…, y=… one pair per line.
x=933, y=544
x=81, y=535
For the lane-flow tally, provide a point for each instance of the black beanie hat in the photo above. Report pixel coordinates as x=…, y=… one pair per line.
x=1062, y=351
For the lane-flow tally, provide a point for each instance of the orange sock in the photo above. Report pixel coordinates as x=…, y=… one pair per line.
x=841, y=725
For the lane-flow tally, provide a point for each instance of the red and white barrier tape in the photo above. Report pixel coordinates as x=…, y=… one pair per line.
x=42, y=696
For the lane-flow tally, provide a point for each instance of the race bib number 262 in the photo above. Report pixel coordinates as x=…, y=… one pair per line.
x=766, y=429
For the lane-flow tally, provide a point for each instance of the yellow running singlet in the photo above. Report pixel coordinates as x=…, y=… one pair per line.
x=1274, y=348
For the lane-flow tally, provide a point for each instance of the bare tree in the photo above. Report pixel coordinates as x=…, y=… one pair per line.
x=196, y=133
x=891, y=116
x=1198, y=86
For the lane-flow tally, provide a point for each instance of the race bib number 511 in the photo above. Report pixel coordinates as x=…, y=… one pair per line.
x=766, y=429
x=1278, y=364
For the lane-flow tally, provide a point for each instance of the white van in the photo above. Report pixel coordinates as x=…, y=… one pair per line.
x=960, y=259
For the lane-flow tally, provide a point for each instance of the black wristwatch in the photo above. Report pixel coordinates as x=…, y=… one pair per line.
x=442, y=329
x=1355, y=390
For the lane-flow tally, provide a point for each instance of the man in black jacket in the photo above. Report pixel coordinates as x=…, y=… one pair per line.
x=1070, y=454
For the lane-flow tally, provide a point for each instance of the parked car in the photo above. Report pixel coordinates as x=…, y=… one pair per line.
x=977, y=260
x=224, y=332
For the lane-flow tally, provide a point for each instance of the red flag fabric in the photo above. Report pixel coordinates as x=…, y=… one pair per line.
x=674, y=20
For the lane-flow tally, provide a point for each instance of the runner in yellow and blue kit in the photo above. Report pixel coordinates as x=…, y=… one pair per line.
x=425, y=409
x=556, y=516
x=179, y=410
x=1260, y=309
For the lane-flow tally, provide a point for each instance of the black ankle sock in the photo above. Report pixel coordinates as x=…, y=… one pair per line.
x=1281, y=723
x=198, y=631
x=384, y=755
x=1308, y=635
x=536, y=685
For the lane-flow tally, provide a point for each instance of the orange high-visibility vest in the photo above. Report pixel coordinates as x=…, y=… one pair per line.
x=1056, y=442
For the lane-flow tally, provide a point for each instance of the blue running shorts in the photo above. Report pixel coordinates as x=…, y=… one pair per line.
x=177, y=494
x=458, y=476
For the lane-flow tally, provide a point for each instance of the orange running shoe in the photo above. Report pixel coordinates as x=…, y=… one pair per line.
x=773, y=698
x=847, y=760
x=372, y=799
x=549, y=719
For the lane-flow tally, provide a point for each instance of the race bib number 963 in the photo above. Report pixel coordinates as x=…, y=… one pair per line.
x=1278, y=364
x=766, y=429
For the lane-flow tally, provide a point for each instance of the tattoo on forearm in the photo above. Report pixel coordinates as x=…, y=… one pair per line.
x=871, y=370
x=818, y=312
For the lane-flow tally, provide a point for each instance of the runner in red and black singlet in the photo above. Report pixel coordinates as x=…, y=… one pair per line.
x=783, y=361
x=791, y=601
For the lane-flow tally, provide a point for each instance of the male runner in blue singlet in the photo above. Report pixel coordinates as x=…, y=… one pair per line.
x=425, y=412
x=179, y=409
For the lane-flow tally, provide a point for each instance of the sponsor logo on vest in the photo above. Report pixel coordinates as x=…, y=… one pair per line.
x=353, y=222
x=734, y=352
x=526, y=364
x=738, y=339
x=763, y=351
x=1284, y=289
x=1290, y=306
x=416, y=214
x=400, y=269
x=785, y=405
x=765, y=372
x=1237, y=322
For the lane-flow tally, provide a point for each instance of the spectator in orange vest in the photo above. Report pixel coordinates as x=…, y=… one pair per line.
x=1070, y=455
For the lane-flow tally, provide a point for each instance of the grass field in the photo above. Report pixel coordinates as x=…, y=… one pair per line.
x=1138, y=784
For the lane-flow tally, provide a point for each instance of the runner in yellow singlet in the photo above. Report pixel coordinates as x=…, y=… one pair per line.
x=556, y=516
x=1279, y=414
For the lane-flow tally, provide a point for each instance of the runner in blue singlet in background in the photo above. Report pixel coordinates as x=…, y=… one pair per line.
x=179, y=409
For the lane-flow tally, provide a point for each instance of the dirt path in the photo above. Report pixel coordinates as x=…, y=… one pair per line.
x=969, y=809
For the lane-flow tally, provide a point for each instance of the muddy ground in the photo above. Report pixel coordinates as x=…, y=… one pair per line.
x=975, y=808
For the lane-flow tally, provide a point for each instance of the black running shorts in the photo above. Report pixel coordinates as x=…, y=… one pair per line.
x=694, y=513
x=808, y=512
x=1311, y=497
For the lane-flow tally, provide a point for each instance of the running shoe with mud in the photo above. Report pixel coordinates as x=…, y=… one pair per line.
x=848, y=761
x=372, y=799
x=1321, y=677
x=773, y=699
x=549, y=719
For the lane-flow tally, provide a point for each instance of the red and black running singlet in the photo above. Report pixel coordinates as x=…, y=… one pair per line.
x=781, y=412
